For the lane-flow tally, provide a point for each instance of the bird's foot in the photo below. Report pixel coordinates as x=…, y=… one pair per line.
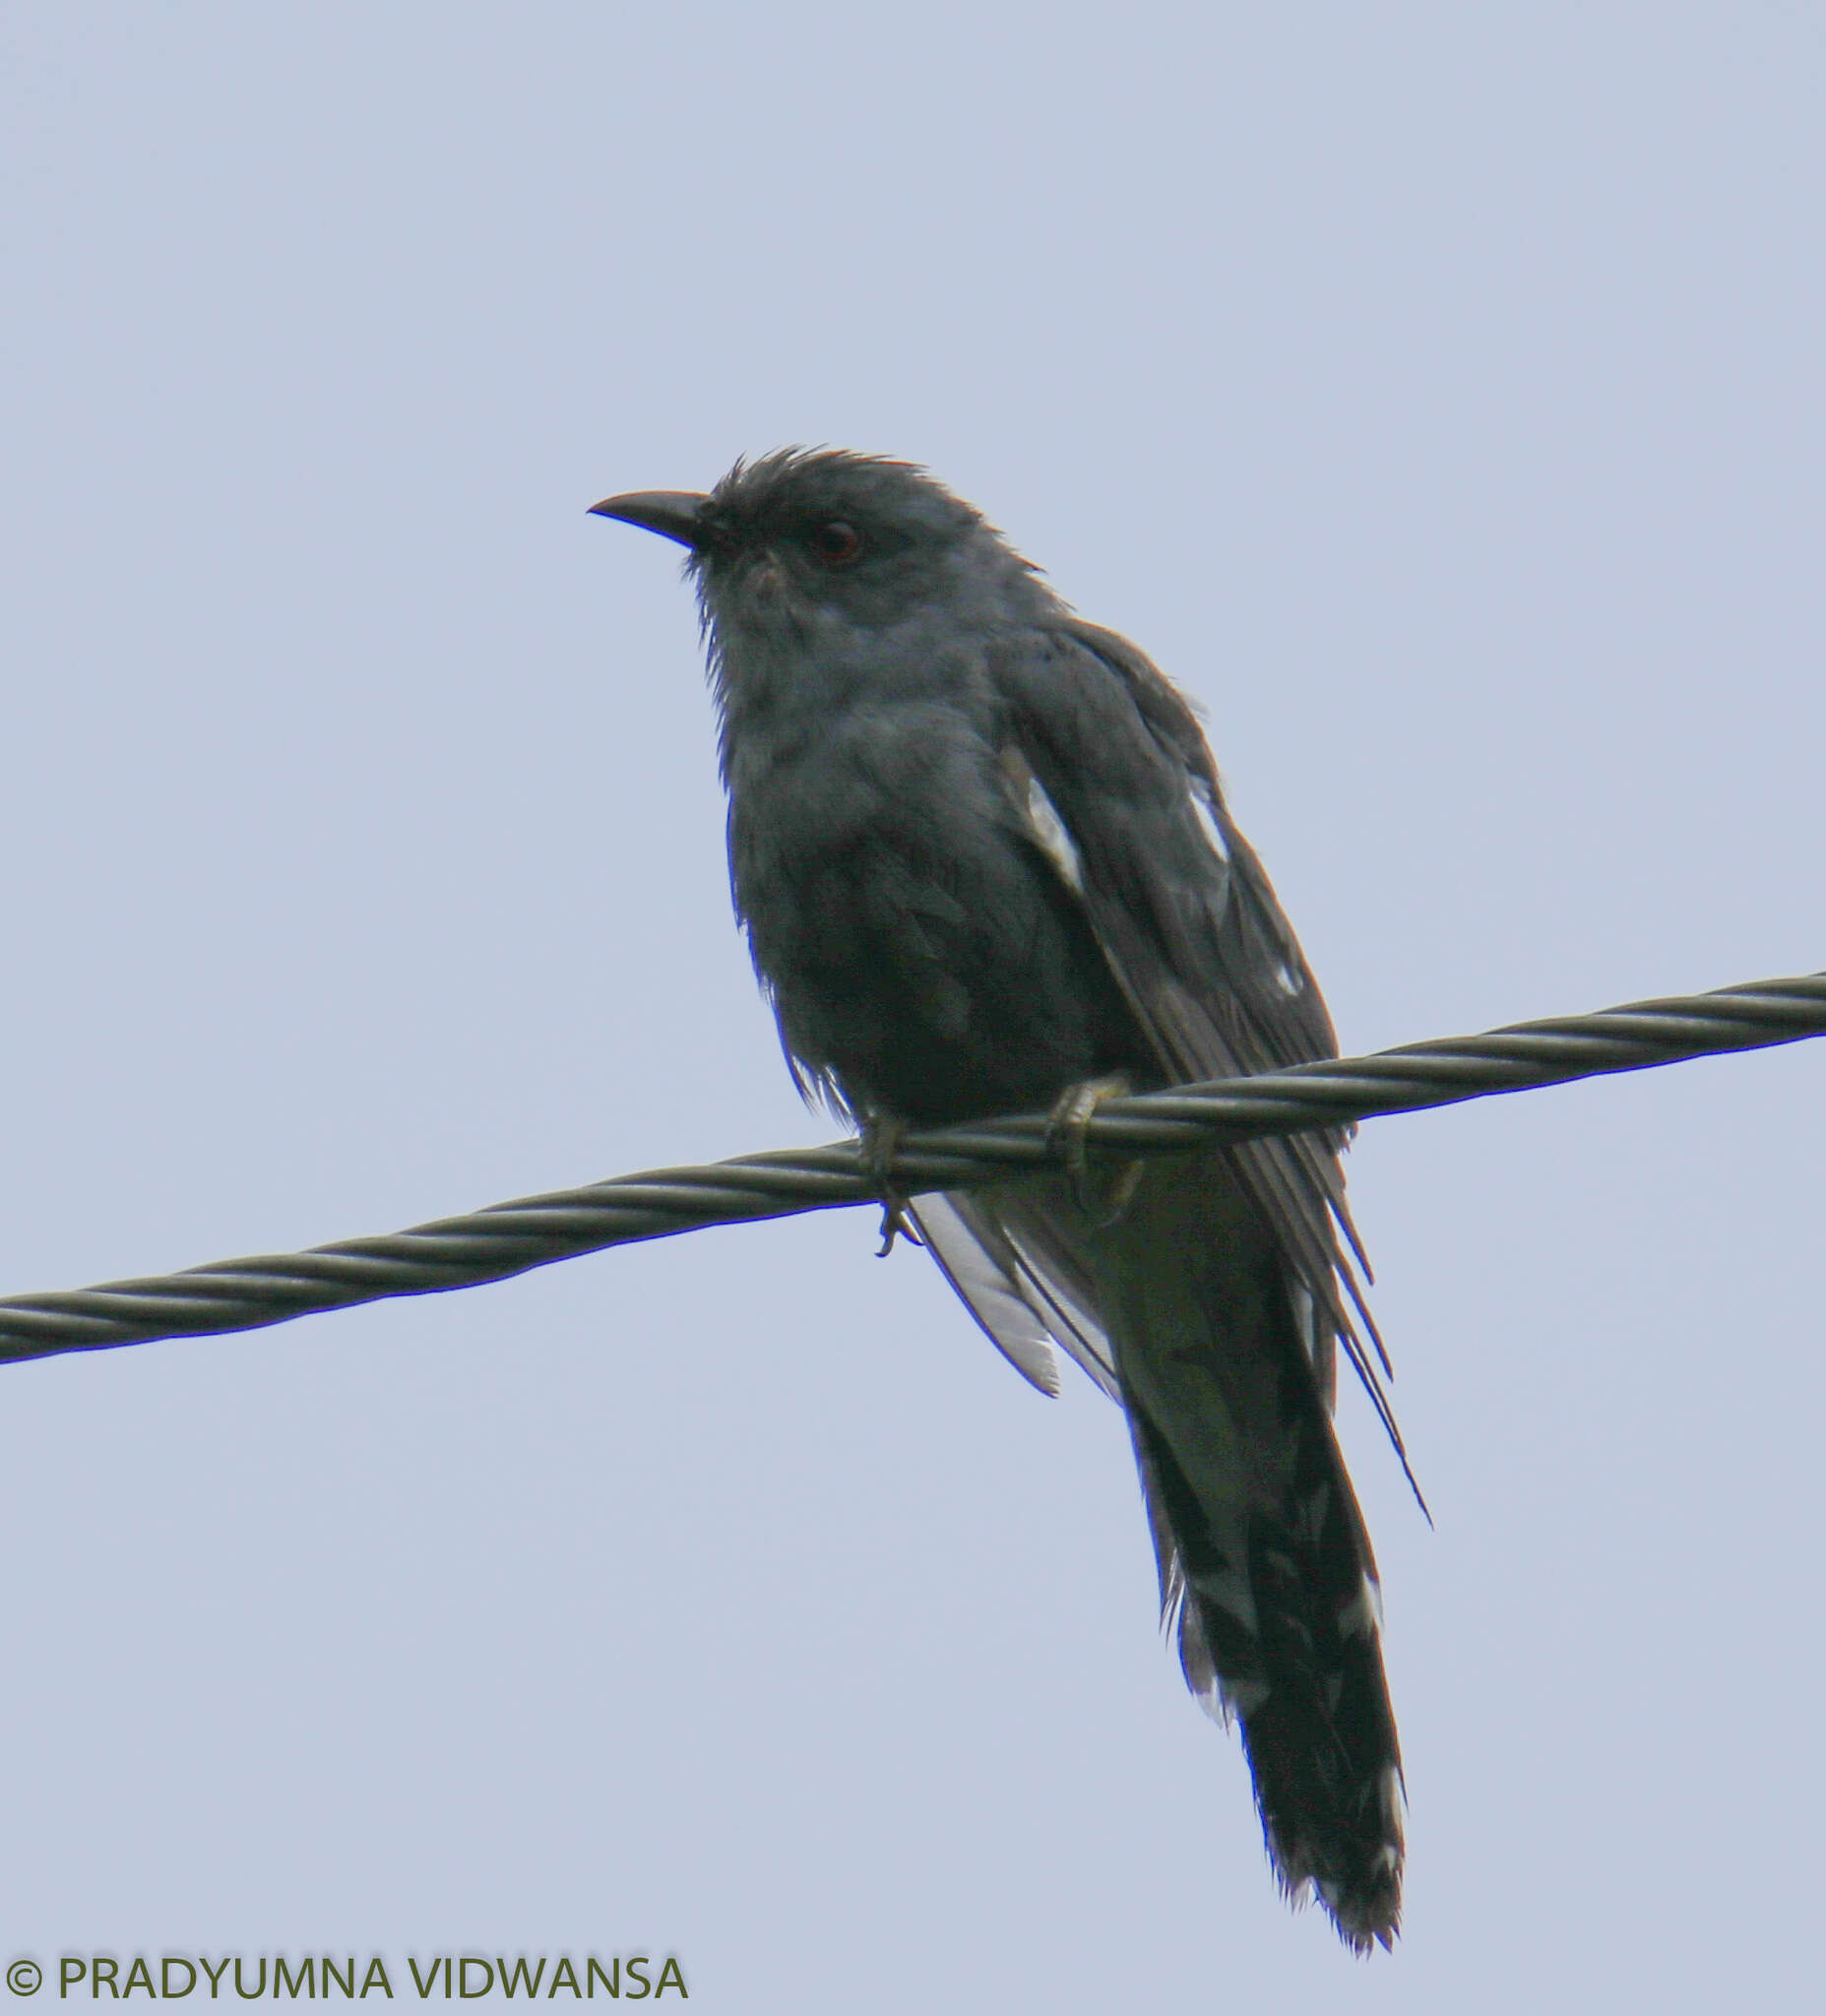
x=1103, y=1195
x=881, y=1138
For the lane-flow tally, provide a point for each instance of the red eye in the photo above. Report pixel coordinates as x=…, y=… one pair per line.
x=836, y=543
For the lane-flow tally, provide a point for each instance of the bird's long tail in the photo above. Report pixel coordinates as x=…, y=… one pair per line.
x=1264, y=1564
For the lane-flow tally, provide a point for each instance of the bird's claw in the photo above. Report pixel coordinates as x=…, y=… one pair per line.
x=895, y=1225
x=880, y=1140
x=1069, y=1122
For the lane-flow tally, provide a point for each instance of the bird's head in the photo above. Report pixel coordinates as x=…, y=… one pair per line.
x=814, y=554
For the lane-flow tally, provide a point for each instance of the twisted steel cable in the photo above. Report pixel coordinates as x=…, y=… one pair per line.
x=511, y=1238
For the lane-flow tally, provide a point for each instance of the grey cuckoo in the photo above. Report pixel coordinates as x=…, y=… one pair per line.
x=984, y=867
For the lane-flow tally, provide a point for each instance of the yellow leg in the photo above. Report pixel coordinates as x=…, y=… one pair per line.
x=881, y=1138
x=1072, y=1113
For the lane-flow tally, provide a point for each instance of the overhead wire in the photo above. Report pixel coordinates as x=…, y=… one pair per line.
x=505, y=1239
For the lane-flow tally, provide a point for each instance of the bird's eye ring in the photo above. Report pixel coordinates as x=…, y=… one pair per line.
x=836, y=543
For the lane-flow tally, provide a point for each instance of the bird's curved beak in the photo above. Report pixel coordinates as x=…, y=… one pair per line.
x=673, y=514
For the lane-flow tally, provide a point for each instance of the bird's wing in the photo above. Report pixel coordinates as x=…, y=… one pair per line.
x=1108, y=768
x=1021, y=1281
x=982, y=1268
x=1218, y=1295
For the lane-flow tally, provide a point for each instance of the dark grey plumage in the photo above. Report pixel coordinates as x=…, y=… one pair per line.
x=981, y=856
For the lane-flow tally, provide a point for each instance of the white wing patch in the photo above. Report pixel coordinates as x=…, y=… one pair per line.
x=1361, y=1617
x=1208, y=821
x=1041, y=816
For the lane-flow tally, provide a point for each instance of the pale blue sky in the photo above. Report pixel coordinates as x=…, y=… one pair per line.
x=1436, y=393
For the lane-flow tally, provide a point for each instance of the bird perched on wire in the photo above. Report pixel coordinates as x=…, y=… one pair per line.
x=984, y=865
